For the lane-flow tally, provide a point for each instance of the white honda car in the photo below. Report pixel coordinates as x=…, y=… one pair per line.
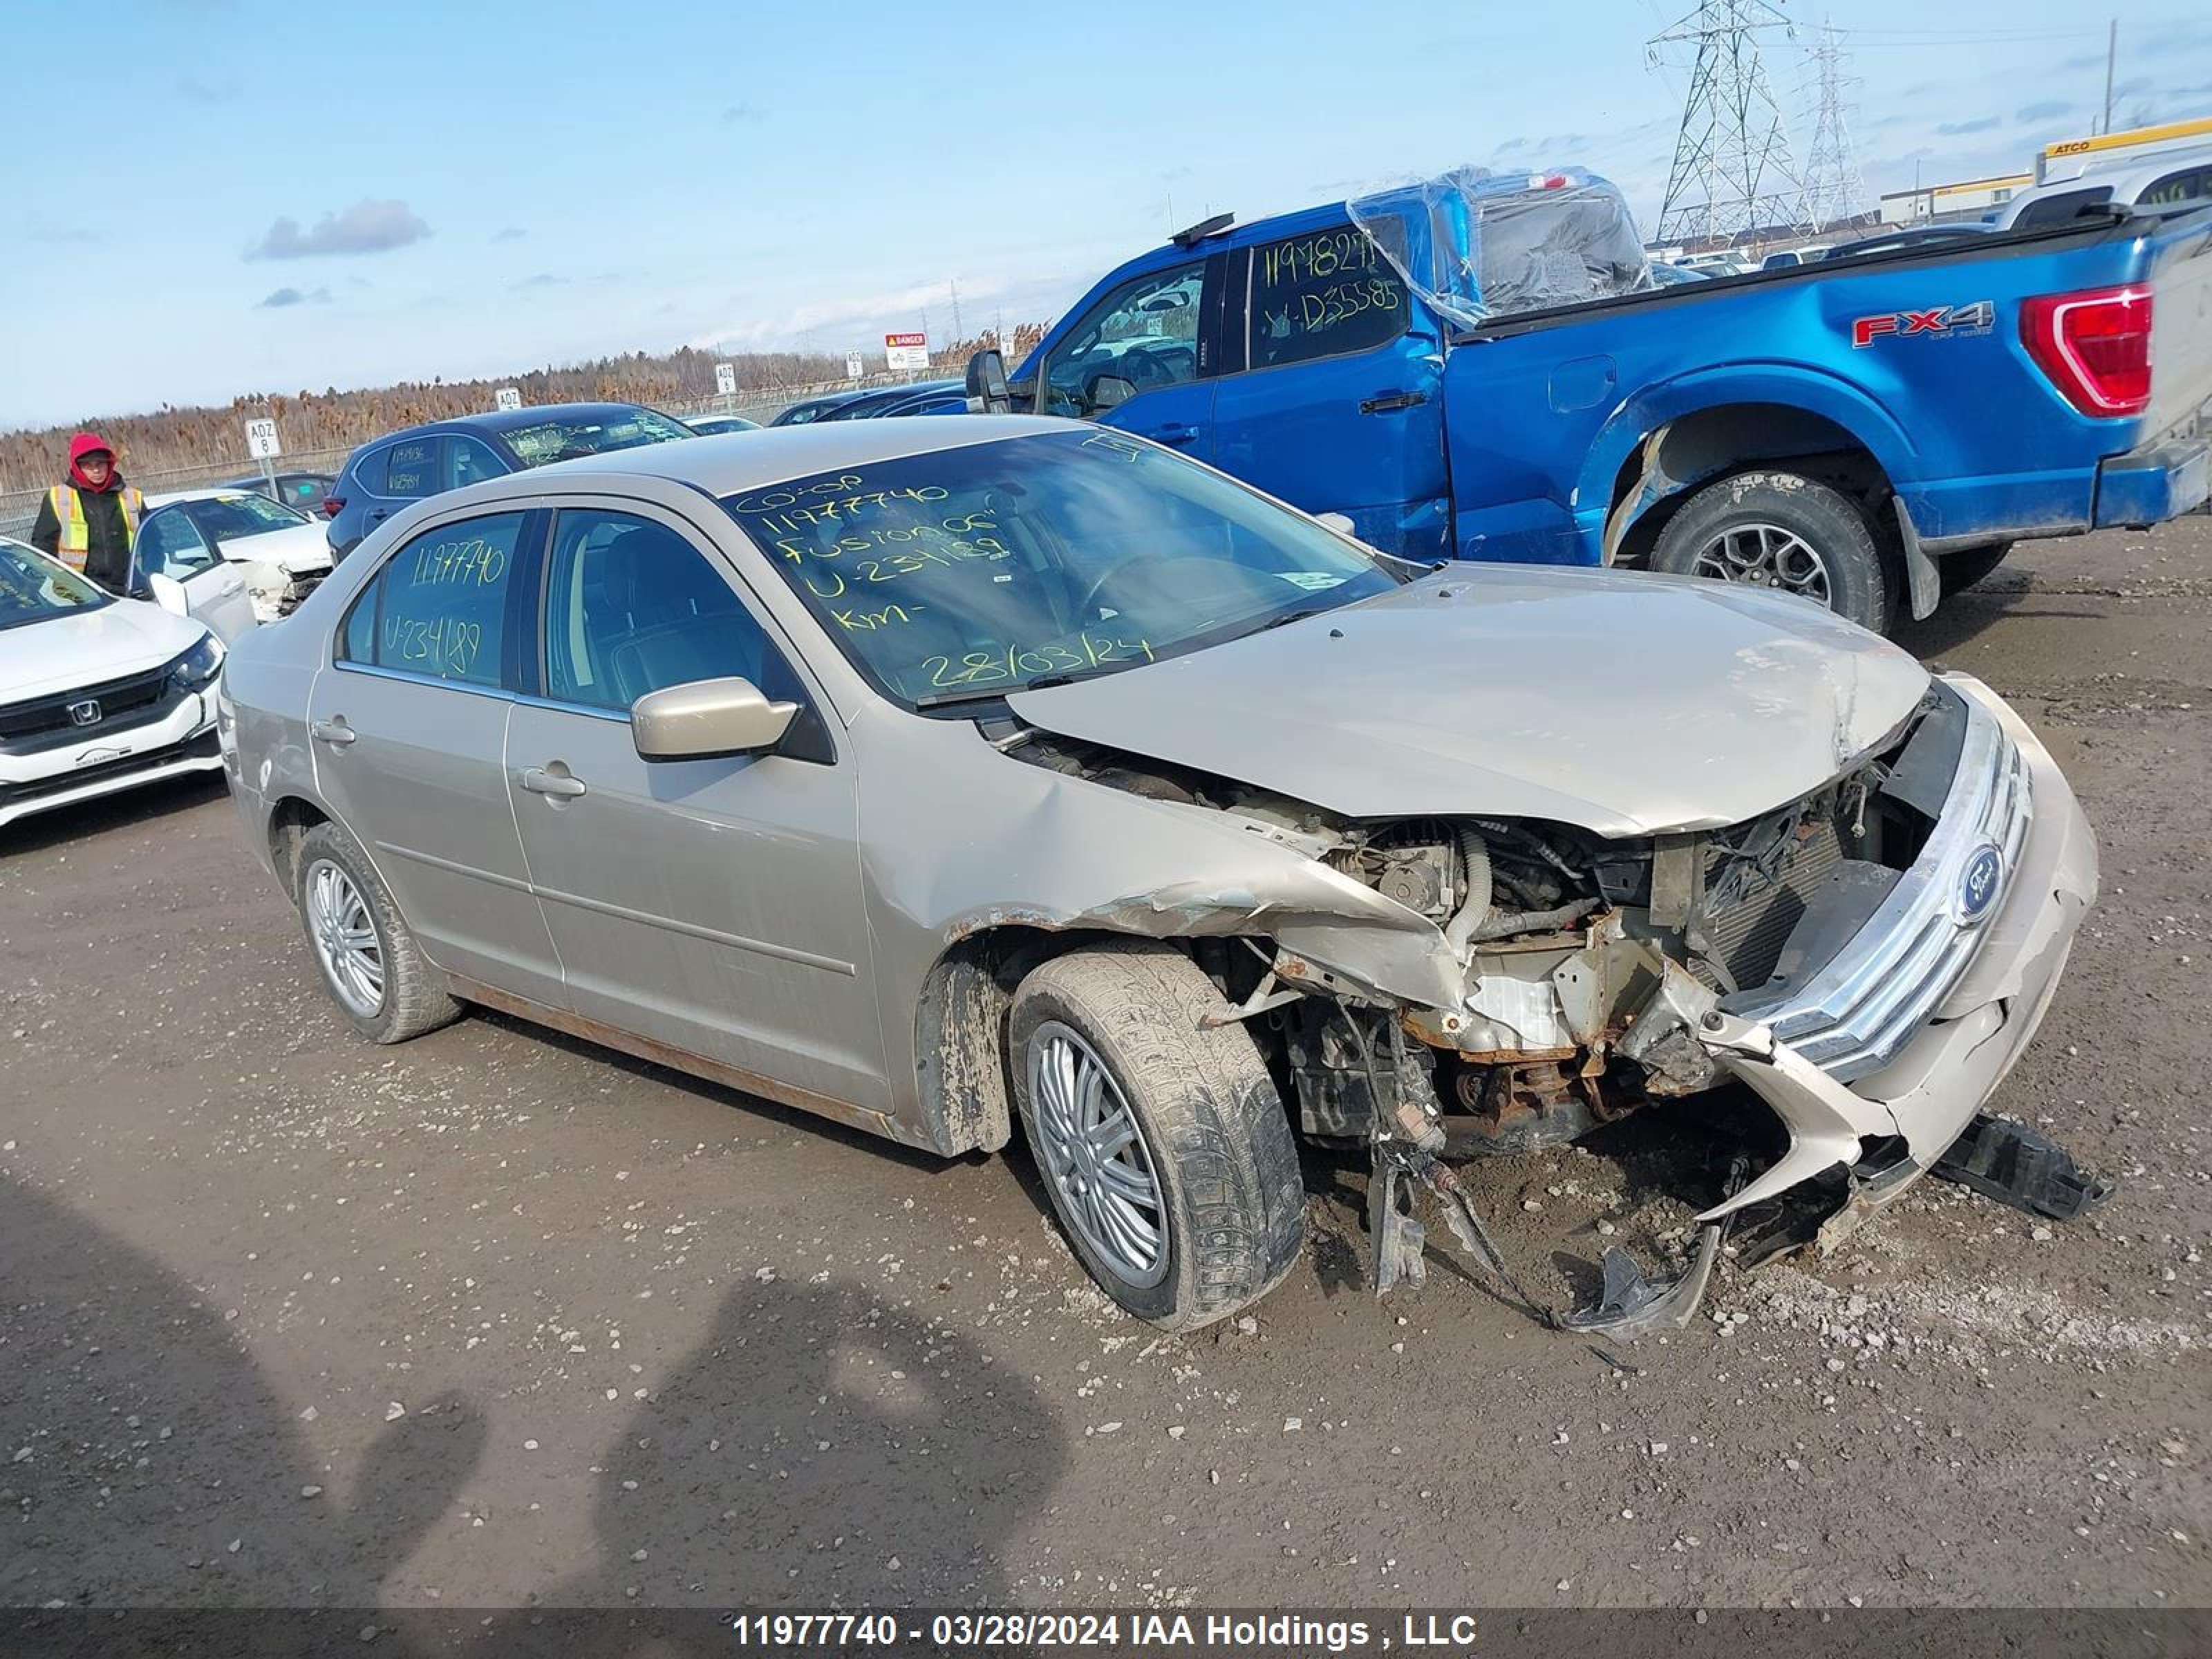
x=97, y=692
x=281, y=553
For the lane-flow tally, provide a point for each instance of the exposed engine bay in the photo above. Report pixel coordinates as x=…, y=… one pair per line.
x=1601, y=975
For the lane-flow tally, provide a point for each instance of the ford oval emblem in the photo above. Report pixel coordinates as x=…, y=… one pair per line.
x=1979, y=882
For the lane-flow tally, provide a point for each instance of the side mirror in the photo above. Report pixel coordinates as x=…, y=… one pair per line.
x=169, y=593
x=708, y=718
x=1110, y=391
x=987, y=383
x=1338, y=522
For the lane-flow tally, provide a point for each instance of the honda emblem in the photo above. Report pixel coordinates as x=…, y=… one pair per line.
x=84, y=713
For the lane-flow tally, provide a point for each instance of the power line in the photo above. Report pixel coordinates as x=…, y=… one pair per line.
x=1833, y=189
x=1733, y=174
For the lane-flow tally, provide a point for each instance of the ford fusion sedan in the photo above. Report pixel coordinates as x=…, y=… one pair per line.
x=383, y=478
x=97, y=692
x=967, y=779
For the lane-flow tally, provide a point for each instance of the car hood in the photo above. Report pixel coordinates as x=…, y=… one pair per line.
x=1621, y=703
x=297, y=551
x=85, y=648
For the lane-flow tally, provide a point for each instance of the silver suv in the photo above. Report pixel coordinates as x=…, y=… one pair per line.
x=935, y=776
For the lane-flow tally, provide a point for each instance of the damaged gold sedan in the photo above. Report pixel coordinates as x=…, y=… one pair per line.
x=1008, y=770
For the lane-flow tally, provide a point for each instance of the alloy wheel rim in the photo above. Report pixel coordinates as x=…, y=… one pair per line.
x=1765, y=556
x=1095, y=1157
x=346, y=939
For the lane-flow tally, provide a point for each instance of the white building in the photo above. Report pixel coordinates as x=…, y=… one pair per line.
x=1970, y=198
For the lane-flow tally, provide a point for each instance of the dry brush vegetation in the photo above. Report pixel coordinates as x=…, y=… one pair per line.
x=171, y=440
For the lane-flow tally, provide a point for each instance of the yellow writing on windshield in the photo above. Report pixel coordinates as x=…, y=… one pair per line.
x=1023, y=662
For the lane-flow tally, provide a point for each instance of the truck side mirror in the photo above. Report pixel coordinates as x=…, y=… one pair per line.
x=987, y=383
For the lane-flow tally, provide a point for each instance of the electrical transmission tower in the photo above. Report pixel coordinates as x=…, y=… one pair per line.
x=1833, y=190
x=1732, y=172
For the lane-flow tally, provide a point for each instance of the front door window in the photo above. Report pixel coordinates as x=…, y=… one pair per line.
x=1144, y=335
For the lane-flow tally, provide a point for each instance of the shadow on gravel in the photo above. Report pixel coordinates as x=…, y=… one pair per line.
x=1963, y=616
x=144, y=1439
x=819, y=1447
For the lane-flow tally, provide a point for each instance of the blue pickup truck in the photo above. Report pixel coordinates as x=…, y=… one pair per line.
x=1871, y=433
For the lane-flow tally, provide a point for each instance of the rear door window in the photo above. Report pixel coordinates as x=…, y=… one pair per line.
x=411, y=468
x=1325, y=293
x=439, y=607
x=1146, y=334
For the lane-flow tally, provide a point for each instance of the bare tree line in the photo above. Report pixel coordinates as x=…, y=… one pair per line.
x=171, y=438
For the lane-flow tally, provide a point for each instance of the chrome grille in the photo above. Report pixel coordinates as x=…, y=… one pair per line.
x=1859, y=1011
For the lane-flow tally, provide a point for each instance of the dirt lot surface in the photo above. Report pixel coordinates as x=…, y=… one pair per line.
x=287, y=1319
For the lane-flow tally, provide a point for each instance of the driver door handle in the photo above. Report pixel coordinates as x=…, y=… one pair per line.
x=334, y=732
x=539, y=782
x=1174, y=434
x=1392, y=400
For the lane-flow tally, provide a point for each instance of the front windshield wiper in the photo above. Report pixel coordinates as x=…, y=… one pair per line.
x=1290, y=616
x=1000, y=693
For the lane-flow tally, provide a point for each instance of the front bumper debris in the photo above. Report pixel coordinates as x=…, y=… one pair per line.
x=1879, y=1064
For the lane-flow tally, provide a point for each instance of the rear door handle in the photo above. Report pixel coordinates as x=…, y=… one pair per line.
x=334, y=732
x=539, y=782
x=1177, y=434
x=1392, y=400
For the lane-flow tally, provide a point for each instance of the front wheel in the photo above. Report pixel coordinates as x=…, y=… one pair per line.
x=1784, y=532
x=1162, y=1143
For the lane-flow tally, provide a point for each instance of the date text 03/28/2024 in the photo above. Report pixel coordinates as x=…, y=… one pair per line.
x=1014, y=1629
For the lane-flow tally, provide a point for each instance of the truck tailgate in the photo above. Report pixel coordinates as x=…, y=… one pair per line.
x=2181, y=325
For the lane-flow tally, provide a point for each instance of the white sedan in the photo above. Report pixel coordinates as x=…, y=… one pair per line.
x=97, y=692
x=282, y=554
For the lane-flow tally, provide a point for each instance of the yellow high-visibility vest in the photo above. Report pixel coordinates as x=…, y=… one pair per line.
x=76, y=534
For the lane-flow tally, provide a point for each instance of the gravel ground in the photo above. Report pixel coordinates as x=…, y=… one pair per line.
x=285, y=1319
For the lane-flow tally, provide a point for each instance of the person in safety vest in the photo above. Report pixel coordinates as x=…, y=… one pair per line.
x=89, y=523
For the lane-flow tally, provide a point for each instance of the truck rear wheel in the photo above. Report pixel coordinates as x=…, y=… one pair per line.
x=1784, y=532
x=1162, y=1143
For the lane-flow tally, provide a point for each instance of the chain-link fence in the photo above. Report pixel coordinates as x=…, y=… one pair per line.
x=19, y=508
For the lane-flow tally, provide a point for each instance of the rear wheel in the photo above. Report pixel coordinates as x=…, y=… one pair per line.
x=371, y=965
x=1961, y=570
x=1162, y=1143
x=1783, y=531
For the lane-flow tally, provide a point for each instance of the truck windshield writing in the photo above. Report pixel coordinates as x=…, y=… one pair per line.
x=992, y=567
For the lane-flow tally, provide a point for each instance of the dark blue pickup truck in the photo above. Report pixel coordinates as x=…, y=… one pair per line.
x=1870, y=433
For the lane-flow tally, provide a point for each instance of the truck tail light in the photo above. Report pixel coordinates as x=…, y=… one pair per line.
x=2094, y=346
x=332, y=506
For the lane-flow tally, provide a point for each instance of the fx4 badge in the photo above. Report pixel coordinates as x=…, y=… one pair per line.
x=1943, y=322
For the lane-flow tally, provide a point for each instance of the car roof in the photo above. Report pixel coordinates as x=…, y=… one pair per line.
x=505, y=420
x=731, y=462
x=208, y=493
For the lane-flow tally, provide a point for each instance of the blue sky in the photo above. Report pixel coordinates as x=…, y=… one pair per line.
x=289, y=195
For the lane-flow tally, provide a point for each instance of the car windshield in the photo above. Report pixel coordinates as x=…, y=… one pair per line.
x=33, y=587
x=565, y=439
x=232, y=518
x=967, y=573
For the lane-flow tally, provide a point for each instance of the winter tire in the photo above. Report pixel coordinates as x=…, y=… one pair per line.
x=1162, y=1142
